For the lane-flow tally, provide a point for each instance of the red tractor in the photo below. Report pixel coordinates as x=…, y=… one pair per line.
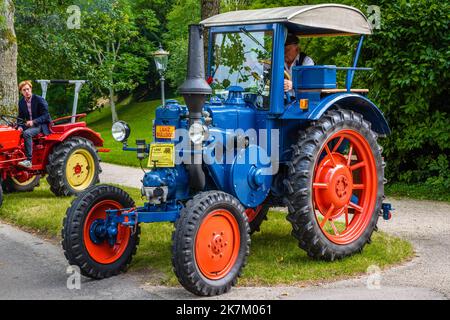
x=68, y=156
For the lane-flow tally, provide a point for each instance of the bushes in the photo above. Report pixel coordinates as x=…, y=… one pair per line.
x=410, y=57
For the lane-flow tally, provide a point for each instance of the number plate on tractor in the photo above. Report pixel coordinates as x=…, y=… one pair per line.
x=165, y=132
x=162, y=155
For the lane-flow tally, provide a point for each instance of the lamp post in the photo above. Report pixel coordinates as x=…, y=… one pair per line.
x=161, y=57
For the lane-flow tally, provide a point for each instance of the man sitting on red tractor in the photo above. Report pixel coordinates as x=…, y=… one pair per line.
x=33, y=109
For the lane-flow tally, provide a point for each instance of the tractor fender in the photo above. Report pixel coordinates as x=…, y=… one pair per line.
x=83, y=132
x=357, y=103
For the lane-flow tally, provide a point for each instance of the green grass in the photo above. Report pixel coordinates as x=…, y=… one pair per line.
x=275, y=257
x=417, y=191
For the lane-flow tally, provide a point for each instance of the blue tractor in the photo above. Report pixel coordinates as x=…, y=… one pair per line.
x=241, y=145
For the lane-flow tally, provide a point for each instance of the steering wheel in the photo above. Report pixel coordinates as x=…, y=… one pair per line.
x=10, y=123
x=287, y=76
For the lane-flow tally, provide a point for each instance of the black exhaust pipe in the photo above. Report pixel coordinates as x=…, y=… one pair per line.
x=195, y=90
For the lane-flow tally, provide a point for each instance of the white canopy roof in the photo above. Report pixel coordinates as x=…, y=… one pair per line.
x=309, y=20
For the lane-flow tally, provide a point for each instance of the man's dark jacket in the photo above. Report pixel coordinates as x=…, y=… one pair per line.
x=39, y=109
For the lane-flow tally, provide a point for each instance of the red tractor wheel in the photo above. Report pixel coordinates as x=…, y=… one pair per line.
x=335, y=186
x=87, y=241
x=211, y=243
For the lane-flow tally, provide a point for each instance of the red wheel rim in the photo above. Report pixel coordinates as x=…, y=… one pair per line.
x=104, y=253
x=217, y=244
x=345, y=171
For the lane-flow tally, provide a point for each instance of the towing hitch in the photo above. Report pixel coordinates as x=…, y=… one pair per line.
x=387, y=208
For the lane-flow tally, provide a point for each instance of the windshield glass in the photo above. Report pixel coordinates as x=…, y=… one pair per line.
x=243, y=59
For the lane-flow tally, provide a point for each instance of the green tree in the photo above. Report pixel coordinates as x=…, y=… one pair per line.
x=183, y=13
x=42, y=39
x=411, y=61
x=8, y=59
x=111, y=51
x=45, y=50
x=152, y=30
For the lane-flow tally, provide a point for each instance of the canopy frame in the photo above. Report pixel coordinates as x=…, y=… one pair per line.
x=305, y=21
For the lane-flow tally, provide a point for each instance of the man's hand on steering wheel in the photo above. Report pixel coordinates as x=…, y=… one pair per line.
x=287, y=81
x=287, y=85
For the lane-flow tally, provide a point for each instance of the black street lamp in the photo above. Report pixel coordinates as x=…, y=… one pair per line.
x=161, y=57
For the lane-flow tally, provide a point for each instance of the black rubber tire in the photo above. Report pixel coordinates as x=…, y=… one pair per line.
x=183, y=243
x=256, y=223
x=10, y=186
x=72, y=233
x=298, y=185
x=56, y=167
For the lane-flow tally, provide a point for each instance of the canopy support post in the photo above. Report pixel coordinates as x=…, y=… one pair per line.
x=44, y=85
x=351, y=73
x=78, y=85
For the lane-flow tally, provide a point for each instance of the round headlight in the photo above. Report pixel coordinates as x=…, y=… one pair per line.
x=120, y=131
x=198, y=133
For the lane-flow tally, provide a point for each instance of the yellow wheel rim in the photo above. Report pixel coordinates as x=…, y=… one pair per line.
x=80, y=169
x=25, y=183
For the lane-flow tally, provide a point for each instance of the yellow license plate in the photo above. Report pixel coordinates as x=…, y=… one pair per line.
x=165, y=132
x=162, y=155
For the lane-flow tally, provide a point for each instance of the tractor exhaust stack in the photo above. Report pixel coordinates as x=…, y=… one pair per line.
x=195, y=90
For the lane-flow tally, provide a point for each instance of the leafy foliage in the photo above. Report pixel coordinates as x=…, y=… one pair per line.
x=48, y=49
x=183, y=13
x=410, y=57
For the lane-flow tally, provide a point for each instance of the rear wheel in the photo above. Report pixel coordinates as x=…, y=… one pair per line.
x=88, y=242
x=335, y=186
x=73, y=167
x=16, y=184
x=211, y=243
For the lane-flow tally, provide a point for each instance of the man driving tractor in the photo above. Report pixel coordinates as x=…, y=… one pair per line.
x=33, y=109
x=293, y=56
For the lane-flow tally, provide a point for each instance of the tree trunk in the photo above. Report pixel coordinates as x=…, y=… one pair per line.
x=209, y=8
x=8, y=59
x=112, y=103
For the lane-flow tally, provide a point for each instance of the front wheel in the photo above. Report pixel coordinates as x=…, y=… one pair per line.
x=88, y=242
x=211, y=243
x=335, y=185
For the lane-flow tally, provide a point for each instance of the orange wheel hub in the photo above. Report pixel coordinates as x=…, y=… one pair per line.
x=217, y=244
x=345, y=186
x=103, y=252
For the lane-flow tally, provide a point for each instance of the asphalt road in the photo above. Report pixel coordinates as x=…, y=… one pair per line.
x=33, y=268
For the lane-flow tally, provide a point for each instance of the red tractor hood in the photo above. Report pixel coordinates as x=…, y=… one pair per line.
x=9, y=138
